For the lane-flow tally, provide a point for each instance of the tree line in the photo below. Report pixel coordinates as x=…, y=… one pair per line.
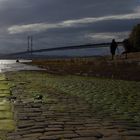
x=132, y=43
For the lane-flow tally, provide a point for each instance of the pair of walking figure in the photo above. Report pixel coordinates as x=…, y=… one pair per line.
x=126, y=45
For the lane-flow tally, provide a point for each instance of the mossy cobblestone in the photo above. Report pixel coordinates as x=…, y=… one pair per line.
x=63, y=114
x=7, y=122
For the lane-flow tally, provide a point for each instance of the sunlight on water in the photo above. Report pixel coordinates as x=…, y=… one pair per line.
x=12, y=61
x=12, y=65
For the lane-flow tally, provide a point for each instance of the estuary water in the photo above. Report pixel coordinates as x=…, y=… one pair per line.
x=12, y=65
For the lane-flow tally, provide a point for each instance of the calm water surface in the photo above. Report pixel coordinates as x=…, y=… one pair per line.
x=12, y=65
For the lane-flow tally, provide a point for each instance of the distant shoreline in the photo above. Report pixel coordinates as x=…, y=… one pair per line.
x=120, y=68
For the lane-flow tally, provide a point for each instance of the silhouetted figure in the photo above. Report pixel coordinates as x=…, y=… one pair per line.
x=127, y=47
x=113, y=48
x=17, y=60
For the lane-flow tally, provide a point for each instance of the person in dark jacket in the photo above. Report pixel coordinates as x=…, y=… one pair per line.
x=127, y=47
x=113, y=48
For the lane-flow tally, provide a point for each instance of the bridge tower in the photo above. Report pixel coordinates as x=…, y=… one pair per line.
x=30, y=44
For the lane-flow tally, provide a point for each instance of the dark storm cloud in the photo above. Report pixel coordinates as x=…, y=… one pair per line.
x=63, y=22
x=30, y=11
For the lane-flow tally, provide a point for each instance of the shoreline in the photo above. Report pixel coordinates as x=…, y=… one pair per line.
x=102, y=67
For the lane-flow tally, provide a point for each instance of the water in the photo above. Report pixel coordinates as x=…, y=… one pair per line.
x=83, y=52
x=12, y=65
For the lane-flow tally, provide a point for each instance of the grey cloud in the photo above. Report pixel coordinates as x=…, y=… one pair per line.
x=28, y=12
x=69, y=23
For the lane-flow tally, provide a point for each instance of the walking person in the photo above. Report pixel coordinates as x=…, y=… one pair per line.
x=113, y=48
x=127, y=47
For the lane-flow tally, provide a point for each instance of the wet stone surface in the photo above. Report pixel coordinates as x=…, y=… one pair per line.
x=62, y=116
x=65, y=117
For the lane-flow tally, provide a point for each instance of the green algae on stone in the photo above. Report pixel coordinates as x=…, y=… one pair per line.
x=5, y=107
x=7, y=125
x=2, y=77
x=5, y=91
x=4, y=86
x=4, y=95
x=6, y=114
x=6, y=117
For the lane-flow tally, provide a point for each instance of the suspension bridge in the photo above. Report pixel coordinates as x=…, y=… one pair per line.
x=72, y=47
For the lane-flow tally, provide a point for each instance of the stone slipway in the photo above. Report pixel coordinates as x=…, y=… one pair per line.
x=64, y=117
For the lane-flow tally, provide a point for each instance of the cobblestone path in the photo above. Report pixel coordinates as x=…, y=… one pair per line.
x=64, y=117
x=73, y=120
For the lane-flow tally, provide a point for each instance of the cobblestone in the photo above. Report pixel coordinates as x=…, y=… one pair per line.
x=66, y=117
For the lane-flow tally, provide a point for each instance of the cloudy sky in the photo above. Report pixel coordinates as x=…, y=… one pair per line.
x=55, y=23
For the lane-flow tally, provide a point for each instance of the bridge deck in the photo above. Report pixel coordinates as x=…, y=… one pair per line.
x=85, y=46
